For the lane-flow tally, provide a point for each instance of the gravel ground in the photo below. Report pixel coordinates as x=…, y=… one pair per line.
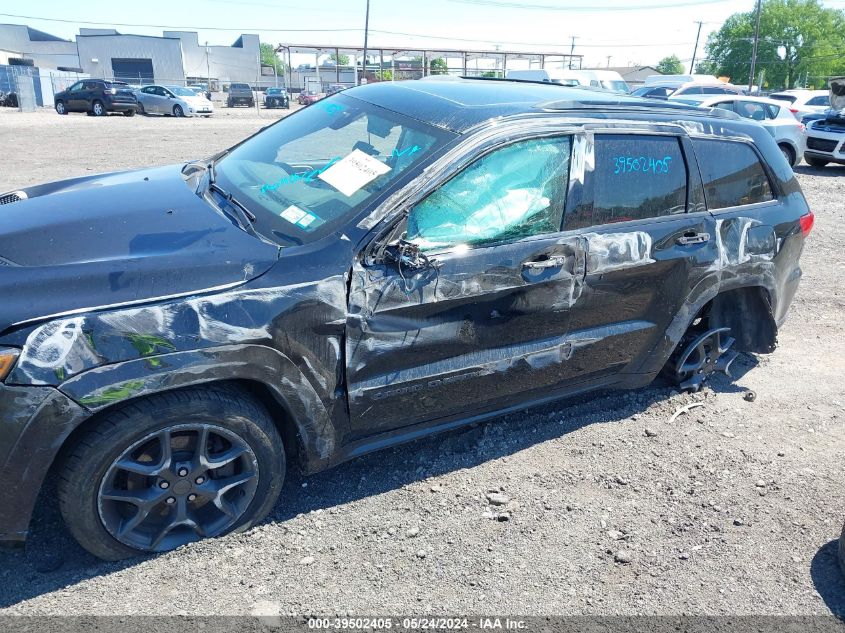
x=598, y=505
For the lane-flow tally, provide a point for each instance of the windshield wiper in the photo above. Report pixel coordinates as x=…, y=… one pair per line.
x=243, y=216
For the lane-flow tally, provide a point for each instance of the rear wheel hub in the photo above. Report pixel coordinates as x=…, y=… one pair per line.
x=700, y=355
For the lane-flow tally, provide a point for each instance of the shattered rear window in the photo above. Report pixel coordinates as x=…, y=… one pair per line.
x=514, y=192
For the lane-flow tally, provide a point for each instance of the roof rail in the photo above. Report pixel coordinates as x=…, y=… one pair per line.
x=642, y=105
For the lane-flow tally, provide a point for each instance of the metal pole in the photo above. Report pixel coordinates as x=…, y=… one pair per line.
x=571, y=52
x=207, y=67
x=366, y=37
x=754, y=52
x=695, y=50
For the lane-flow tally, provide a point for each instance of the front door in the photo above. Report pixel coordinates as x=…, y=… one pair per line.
x=650, y=246
x=75, y=99
x=479, y=319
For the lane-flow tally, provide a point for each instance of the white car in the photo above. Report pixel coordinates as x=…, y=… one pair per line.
x=826, y=137
x=801, y=102
x=177, y=101
x=789, y=134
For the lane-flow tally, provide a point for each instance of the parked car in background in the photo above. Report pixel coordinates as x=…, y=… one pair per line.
x=558, y=76
x=8, y=99
x=202, y=90
x=405, y=260
x=334, y=89
x=801, y=102
x=97, y=97
x=240, y=94
x=276, y=98
x=789, y=134
x=177, y=101
x=605, y=79
x=685, y=89
x=826, y=137
x=307, y=97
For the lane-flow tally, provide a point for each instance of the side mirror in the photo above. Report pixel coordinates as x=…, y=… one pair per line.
x=406, y=256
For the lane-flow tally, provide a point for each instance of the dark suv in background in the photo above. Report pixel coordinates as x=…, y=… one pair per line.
x=97, y=97
x=240, y=94
x=395, y=260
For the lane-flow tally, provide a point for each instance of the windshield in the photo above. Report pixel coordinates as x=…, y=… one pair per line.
x=179, y=91
x=311, y=172
x=787, y=98
x=616, y=86
x=274, y=91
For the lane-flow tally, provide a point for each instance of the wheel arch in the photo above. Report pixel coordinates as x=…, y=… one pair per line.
x=271, y=377
x=746, y=309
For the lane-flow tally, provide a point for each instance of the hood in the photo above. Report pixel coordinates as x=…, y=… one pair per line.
x=837, y=93
x=122, y=238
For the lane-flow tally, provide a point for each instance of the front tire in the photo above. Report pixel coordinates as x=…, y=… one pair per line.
x=788, y=154
x=60, y=107
x=170, y=469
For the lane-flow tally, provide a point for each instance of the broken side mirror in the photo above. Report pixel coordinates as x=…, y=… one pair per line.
x=405, y=255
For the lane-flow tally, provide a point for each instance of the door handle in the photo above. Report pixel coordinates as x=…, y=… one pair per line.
x=690, y=238
x=555, y=261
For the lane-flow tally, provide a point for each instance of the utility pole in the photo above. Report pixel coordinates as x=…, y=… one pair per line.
x=754, y=52
x=366, y=35
x=695, y=49
x=571, y=52
x=207, y=68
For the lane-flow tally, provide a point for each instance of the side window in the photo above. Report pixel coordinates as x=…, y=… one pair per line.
x=148, y=90
x=514, y=192
x=732, y=174
x=692, y=90
x=725, y=105
x=750, y=110
x=713, y=90
x=76, y=87
x=91, y=85
x=821, y=100
x=635, y=177
x=772, y=111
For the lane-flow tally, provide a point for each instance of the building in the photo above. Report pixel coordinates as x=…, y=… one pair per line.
x=43, y=49
x=176, y=57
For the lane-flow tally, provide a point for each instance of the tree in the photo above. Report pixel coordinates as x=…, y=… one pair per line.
x=269, y=58
x=670, y=66
x=800, y=41
x=340, y=60
x=438, y=66
x=706, y=67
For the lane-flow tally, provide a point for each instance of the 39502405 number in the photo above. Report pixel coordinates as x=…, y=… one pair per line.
x=641, y=164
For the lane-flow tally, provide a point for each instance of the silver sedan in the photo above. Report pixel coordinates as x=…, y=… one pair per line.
x=173, y=100
x=789, y=133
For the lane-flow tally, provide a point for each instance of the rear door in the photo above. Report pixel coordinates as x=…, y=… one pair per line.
x=650, y=245
x=478, y=319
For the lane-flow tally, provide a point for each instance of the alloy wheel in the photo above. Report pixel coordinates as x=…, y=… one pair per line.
x=702, y=355
x=177, y=485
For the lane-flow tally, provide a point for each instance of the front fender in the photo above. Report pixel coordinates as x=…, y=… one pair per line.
x=105, y=386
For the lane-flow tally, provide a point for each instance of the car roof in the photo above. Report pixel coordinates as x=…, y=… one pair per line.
x=463, y=104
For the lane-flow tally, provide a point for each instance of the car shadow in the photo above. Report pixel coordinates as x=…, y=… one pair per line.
x=828, y=578
x=832, y=170
x=52, y=559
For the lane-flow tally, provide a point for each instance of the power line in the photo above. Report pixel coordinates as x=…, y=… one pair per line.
x=546, y=7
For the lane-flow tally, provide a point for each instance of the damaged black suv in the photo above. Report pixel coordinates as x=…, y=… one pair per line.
x=396, y=260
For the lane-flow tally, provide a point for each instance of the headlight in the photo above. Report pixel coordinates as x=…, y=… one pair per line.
x=8, y=357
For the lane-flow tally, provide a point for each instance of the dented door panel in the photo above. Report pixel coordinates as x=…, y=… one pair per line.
x=488, y=325
x=637, y=279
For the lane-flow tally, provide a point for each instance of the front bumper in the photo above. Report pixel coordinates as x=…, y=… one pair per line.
x=201, y=110
x=825, y=145
x=34, y=422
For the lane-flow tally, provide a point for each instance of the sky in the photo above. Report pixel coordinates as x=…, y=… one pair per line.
x=606, y=32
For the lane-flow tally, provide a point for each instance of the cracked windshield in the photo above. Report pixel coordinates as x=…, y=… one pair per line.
x=311, y=172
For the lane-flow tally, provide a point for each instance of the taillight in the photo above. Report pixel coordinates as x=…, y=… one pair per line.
x=110, y=91
x=793, y=110
x=806, y=223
